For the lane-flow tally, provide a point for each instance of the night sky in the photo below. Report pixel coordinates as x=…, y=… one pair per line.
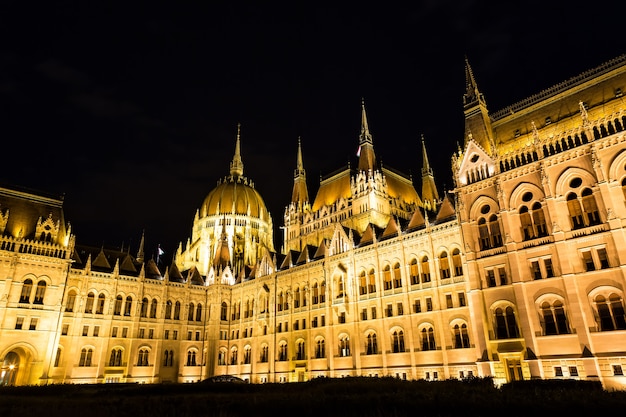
x=130, y=109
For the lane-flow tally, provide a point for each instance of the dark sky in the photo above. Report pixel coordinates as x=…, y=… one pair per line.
x=130, y=109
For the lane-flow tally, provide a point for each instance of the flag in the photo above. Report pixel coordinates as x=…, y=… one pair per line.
x=358, y=152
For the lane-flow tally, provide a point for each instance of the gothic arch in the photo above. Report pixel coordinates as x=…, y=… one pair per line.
x=477, y=205
x=562, y=186
x=522, y=188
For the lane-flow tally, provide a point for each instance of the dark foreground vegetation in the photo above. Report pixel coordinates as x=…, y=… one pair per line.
x=344, y=397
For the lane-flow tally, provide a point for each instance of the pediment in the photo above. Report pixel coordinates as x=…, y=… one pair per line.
x=476, y=164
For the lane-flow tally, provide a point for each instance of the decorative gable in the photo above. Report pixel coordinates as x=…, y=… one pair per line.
x=340, y=241
x=46, y=230
x=476, y=165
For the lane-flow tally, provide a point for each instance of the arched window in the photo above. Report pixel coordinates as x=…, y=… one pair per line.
x=168, y=309
x=320, y=349
x=27, y=288
x=296, y=298
x=397, y=276
x=539, y=220
x=116, y=357
x=264, y=357
x=100, y=304
x=144, y=308
x=247, y=355
x=344, y=346
x=190, y=313
x=323, y=292
x=457, y=262
x=316, y=295
x=199, y=312
x=428, y=338
x=10, y=367
x=191, y=358
x=89, y=304
x=177, y=310
x=387, y=277
x=371, y=346
x=300, y=350
x=506, y=325
x=85, y=357
x=41, y=291
x=224, y=311
x=461, y=337
x=414, y=272
x=128, y=306
x=142, y=357
x=282, y=351
x=153, y=308
x=362, y=283
x=279, y=302
x=575, y=211
x=611, y=312
x=590, y=207
x=117, y=310
x=233, y=356
x=168, y=358
x=624, y=188
x=494, y=230
x=483, y=234
x=425, y=269
x=526, y=223
x=397, y=341
x=221, y=357
x=71, y=300
x=371, y=281
x=554, y=319
x=444, y=265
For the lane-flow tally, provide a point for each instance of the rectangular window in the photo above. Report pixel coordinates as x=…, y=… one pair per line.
x=342, y=317
x=175, y=335
x=150, y=333
x=166, y=335
x=364, y=314
x=573, y=371
x=280, y=328
x=373, y=313
x=558, y=371
x=502, y=275
x=314, y=322
x=491, y=278
x=114, y=332
x=462, y=302
x=588, y=261
x=389, y=310
x=535, y=270
x=85, y=330
x=33, y=324
x=429, y=304
x=124, y=332
x=197, y=336
x=189, y=337
x=65, y=329
x=417, y=306
x=323, y=321
x=19, y=322
x=603, y=258
x=142, y=333
x=547, y=264
x=448, y=300
x=303, y=325
x=400, y=308
x=96, y=331
x=617, y=370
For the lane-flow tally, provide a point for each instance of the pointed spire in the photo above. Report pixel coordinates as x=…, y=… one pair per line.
x=222, y=254
x=430, y=196
x=477, y=120
x=300, y=194
x=140, y=252
x=236, y=166
x=367, y=158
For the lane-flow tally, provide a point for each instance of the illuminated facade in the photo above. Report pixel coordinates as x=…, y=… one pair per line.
x=517, y=274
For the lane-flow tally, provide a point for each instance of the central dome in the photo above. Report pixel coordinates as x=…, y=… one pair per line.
x=234, y=195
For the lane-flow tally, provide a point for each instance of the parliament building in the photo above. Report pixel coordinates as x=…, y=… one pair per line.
x=515, y=274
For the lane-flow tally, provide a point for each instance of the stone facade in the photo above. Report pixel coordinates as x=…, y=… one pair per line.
x=516, y=274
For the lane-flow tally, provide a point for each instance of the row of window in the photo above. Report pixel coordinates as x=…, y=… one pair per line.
x=125, y=307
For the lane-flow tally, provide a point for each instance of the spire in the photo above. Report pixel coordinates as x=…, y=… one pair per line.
x=430, y=196
x=367, y=158
x=300, y=194
x=477, y=120
x=236, y=166
x=140, y=253
x=222, y=255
